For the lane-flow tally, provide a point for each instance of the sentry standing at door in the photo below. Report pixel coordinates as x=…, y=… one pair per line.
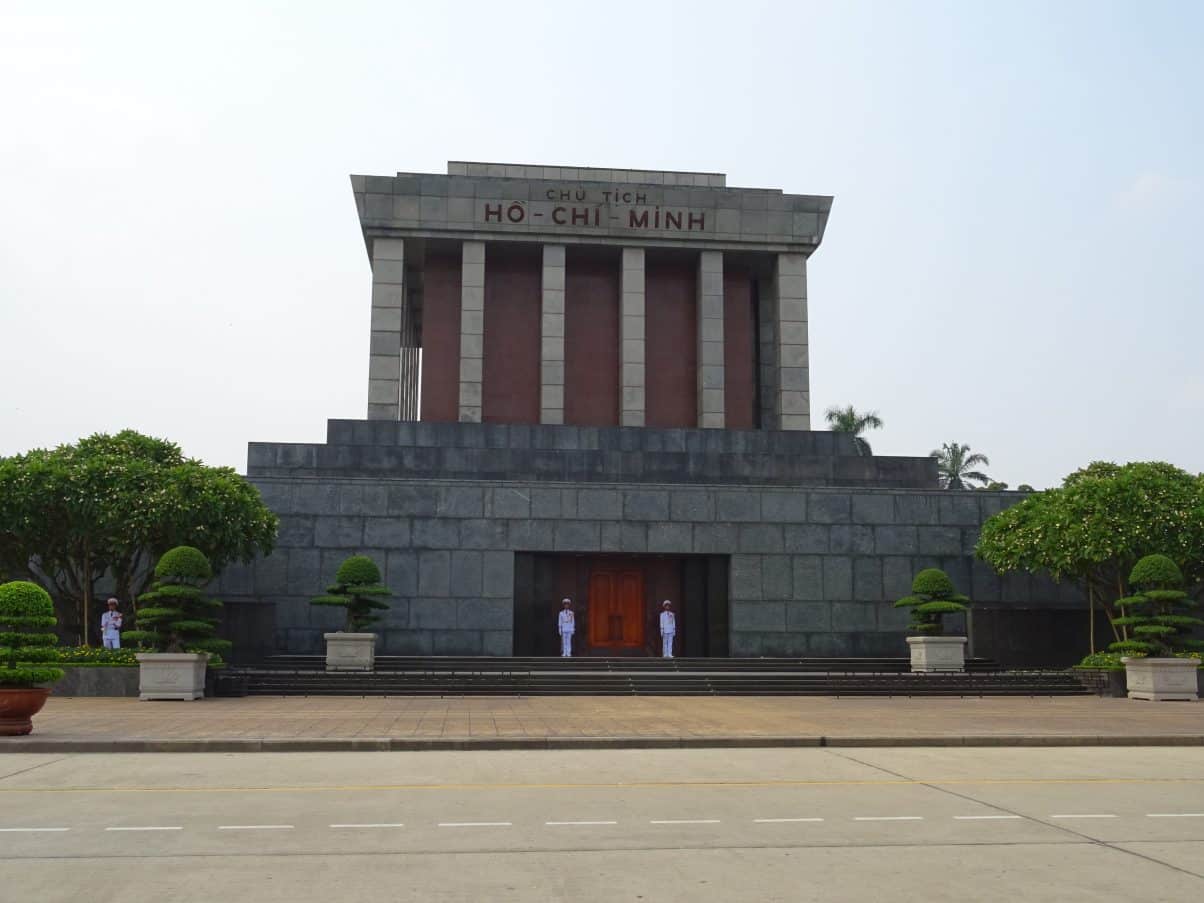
x=567, y=625
x=668, y=629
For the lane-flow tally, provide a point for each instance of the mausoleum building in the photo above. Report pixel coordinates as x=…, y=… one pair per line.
x=594, y=383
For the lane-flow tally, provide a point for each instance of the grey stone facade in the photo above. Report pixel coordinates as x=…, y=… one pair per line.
x=812, y=569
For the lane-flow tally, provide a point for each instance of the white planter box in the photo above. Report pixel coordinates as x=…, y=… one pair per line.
x=937, y=653
x=172, y=675
x=350, y=651
x=1161, y=679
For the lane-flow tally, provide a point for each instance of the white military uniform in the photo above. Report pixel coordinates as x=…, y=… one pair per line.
x=110, y=629
x=668, y=629
x=567, y=626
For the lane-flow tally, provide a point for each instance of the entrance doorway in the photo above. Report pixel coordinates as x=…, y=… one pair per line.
x=617, y=601
x=616, y=608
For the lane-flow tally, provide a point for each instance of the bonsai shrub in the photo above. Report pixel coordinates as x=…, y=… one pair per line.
x=27, y=648
x=358, y=589
x=176, y=616
x=932, y=597
x=1154, y=615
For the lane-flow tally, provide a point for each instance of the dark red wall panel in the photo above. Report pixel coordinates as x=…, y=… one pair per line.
x=510, y=373
x=739, y=361
x=441, y=338
x=671, y=330
x=591, y=328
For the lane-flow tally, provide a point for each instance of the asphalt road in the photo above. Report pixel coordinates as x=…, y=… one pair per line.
x=1092, y=824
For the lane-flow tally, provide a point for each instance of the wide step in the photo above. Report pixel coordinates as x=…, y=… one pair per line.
x=305, y=676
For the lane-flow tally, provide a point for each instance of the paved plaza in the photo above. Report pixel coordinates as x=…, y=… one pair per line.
x=428, y=722
x=1090, y=824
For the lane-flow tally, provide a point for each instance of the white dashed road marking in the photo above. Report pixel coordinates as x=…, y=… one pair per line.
x=888, y=818
x=684, y=821
x=778, y=821
x=1174, y=815
x=376, y=825
x=1085, y=816
x=984, y=817
x=476, y=824
x=32, y=830
x=560, y=824
x=254, y=827
x=148, y=828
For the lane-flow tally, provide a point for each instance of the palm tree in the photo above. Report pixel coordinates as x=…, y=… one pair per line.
x=954, y=463
x=847, y=420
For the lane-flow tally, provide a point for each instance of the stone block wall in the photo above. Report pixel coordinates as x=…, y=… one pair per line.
x=812, y=570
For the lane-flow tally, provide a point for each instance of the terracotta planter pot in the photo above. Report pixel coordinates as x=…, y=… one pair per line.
x=17, y=708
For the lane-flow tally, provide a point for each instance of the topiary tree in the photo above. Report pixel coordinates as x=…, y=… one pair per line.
x=1151, y=614
x=357, y=587
x=176, y=616
x=932, y=597
x=27, y=650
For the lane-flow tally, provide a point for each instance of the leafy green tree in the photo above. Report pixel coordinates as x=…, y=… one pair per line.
x=358, y=589
x=932, y=597
x=849, y=420
x=1024, y=487
x=111, y=505
x=995, y=485
x=176, y=615
x=1153, y=612
x=27, y=653
x=954, y=465
x=1095, y=527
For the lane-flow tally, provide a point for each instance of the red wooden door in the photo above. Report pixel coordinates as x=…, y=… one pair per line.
x=616, y=609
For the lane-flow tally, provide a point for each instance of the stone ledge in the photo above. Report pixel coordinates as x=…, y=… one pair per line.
x=36, y=744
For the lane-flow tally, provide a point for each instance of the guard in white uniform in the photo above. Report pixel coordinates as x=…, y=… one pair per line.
x=110, y=626
x=668, y=629
x=567, y=625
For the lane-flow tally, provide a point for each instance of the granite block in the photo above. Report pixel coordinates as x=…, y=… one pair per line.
x=807, y=538
x=829, y=507
x=483, y=533
x=646, y=505
x=777, y=577
x=737, y=505
x=484, y=614
x=466, y=573
x=435, y=533
x=497, y=574
x=339, y=532
x=896, y=541
x=867, y=579
x=434, y=573
x=846, y=539
x=763, y=616
x=386, y=532
x=838, y=577
x=784, y=507
x=874, y=509
x=670, y=538
x=808, y=577
x=763, y=538
x=432, y=614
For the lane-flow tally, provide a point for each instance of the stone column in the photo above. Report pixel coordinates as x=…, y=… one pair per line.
x=632, y=354
x=710, y=340
x=551, y=360
x=472, y=329
x=793, y=387
x=388, y=303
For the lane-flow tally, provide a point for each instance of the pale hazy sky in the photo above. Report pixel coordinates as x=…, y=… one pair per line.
x=1013, y=259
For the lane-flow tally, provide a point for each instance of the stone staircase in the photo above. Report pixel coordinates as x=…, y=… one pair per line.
x=483, y=676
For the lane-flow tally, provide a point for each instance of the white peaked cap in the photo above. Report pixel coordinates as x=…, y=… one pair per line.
x=567, y=599
x=666, y=602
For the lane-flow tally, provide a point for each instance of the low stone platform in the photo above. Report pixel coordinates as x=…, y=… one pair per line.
x=409, y=723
